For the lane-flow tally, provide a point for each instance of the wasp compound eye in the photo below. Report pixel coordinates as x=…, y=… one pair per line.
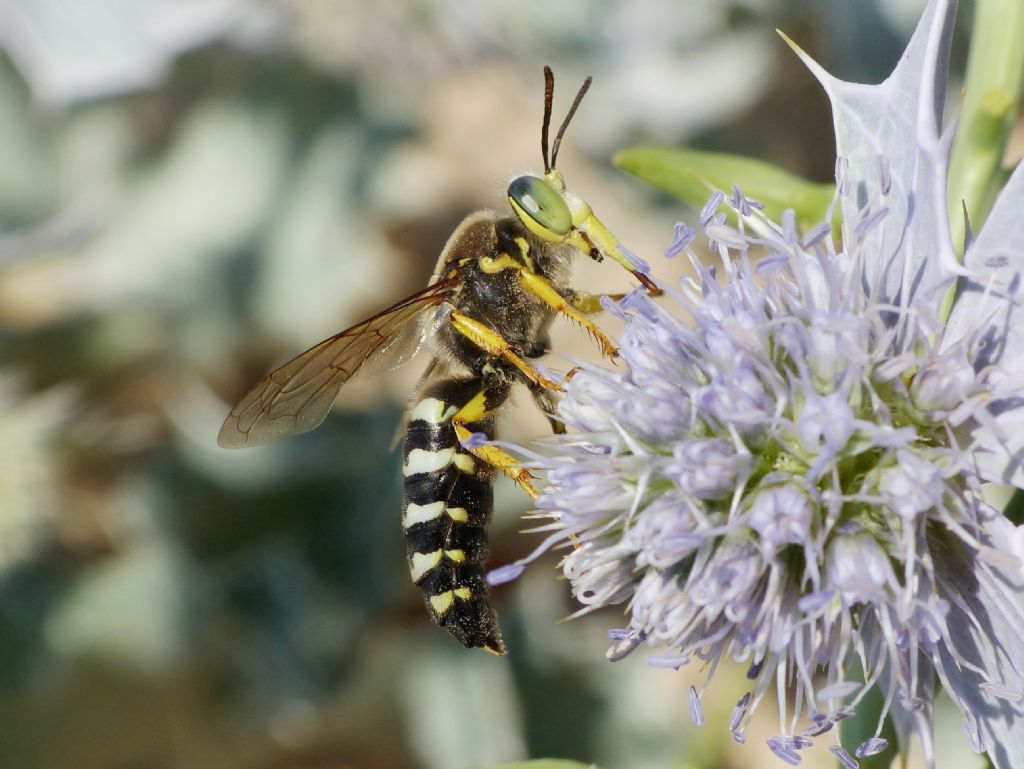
x=539, y=206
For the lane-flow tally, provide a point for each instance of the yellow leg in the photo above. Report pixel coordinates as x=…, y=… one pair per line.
x=547, y=404
x=478, y=407
x=581, y=304
x=591, y=237
x=544, y=291
x=590, y=304
x=493, y=343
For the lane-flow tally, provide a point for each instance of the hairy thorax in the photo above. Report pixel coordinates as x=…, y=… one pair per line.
x=485, y=250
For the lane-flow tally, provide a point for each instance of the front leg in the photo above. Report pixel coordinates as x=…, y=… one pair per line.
x=495, y=345
x=575, y=307
x=540, y=288
x=590, y=304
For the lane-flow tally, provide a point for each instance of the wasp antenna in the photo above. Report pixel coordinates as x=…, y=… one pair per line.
x=565, y=123
x=549, y=95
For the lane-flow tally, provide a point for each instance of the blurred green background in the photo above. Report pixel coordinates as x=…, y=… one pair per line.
x=191, y=191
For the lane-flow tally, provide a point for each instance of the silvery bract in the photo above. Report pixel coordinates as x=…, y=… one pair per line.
x=791, y=477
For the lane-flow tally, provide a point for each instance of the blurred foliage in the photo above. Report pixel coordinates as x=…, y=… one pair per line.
x=191, y=191
x=691, y=176
x=547, y=764
x=993, y=85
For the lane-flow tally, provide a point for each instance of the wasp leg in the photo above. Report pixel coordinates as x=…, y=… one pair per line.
x=546, y=403
x=481, y=405
x=592, y=238
x=590, y=304
x=534, y=284
x=544, y=291
x=491, y=342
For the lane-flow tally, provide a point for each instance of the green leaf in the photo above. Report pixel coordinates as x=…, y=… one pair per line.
x=546, y=763
x=691, y=175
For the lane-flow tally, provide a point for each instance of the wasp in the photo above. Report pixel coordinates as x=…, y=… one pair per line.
x=499, y=283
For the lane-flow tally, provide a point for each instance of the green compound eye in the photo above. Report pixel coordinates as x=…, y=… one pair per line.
x=540, y=208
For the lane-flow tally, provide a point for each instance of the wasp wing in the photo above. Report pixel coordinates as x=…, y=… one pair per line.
x=297, y=396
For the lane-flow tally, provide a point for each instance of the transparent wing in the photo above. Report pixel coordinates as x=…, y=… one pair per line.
x=297, y=396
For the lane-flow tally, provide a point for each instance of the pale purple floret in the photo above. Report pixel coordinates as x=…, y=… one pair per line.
x=841, y=714
x=621, y=634
x=710, y=209
x=844, y=758
x=816, y=235
x=784, y=751
x=696, y=711
x=504, y=574
x=619, y=651
x=739, y=712
x=674, y=661
x=781, y=516
x=708, y=468
x=839, y=690
x=743, y=205
x=871, y=747
x=818, y=728
x=681, y=240
x=627, y=642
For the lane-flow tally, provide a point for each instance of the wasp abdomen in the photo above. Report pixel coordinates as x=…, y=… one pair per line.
x=448, y=503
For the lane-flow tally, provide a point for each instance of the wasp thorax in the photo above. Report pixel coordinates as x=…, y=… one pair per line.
x=539, y=206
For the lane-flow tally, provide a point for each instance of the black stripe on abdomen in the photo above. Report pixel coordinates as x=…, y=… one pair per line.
x=447, y=504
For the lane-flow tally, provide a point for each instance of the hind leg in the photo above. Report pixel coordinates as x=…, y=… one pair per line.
x=493, y=393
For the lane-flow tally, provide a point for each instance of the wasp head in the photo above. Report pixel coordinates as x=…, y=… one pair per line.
x=554, y=214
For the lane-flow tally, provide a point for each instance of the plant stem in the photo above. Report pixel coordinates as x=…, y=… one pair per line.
x=992, y=93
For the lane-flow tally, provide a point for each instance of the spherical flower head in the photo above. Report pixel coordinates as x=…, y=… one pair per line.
x=781, y=482
x=790, y=478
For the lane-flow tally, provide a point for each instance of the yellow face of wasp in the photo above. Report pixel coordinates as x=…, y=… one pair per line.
x=553, y=213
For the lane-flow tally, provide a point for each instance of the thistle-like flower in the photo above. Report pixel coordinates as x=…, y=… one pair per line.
x=791, y=478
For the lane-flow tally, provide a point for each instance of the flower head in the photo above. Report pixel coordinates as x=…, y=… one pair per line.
x=791, y=479
x=782, y=481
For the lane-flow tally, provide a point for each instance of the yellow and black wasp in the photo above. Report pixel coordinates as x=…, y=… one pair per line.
x=498, y=285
